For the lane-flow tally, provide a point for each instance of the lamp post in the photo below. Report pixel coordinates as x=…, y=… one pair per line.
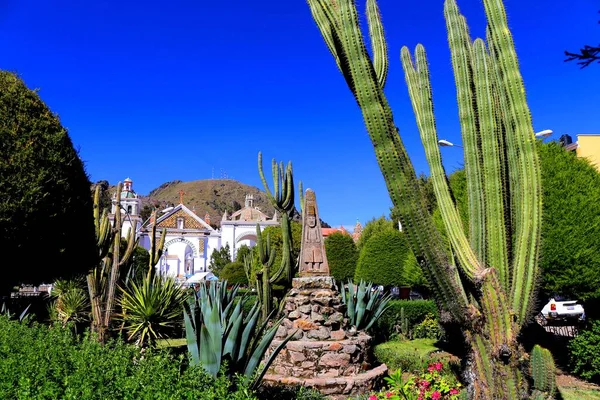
x=447, y=143
x=543, y=134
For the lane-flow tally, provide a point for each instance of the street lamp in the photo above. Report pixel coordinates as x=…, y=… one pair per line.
x=446, y=143
x=544, y=134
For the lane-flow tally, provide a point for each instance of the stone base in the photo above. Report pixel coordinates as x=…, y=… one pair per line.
x=313, y=282
x=338, y=388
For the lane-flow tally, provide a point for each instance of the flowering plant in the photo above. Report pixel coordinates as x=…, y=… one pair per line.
x=429, y=385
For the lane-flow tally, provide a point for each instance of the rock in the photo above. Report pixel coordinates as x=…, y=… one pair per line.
x=305, y=325
x=338, y=335
x=296, y=357
x=295, y=346
x=316, y=317
x=305, y=309
x=281, y=332
x=287, y=323
x=294, y=315
x=322, y=333
x=350, y=348
x=335, y=346
x=300, y=300
x=335, y=360
x=313, y=282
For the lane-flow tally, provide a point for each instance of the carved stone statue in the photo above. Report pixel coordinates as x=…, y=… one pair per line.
x=313, y=260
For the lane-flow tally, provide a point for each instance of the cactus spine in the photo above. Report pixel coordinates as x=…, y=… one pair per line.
x=282, y=199
x=497, y=257
x=102, y=280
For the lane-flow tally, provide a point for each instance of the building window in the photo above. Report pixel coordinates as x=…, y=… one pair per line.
x=129, y=209
x=179, y=223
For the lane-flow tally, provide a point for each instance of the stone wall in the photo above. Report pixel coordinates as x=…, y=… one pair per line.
x=325, y=352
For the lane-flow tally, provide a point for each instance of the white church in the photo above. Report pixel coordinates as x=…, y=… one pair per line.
x=190, y=240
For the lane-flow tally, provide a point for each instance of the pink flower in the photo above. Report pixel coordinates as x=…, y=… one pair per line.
x=435, y=395
x=431, y=368
x=372, y=397
x=453, y=391
x=424, y=384
x=388, y=395
x=438, y=366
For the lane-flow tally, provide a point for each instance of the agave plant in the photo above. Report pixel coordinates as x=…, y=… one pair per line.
x=151, y=309
x=71, y=301
x=218, y=333
x=364, y=305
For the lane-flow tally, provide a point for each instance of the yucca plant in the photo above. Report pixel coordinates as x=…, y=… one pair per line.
x=487, y=280
x=71, y=302
x=363, y=305
x=151, y=309
x=218, y=333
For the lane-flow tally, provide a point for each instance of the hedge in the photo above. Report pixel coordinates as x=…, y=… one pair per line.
x=342, y=256
x=415, y=312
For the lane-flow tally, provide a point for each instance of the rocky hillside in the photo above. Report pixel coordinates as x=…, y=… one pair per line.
x=212, y=196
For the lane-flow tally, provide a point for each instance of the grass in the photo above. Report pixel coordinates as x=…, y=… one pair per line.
x=579, y=394
x=412, y=355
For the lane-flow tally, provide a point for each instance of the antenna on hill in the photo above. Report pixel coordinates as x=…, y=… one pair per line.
x=212, y=175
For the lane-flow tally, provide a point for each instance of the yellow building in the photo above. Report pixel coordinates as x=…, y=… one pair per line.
x=587, y=146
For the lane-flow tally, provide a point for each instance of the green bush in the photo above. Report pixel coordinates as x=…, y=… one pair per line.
x=415, y=311
x=40, y=362
x=412, y=355
x=584, y=353
x=429, y=328
x=234, y=273
x=373, y=227
x=342, y=256
x=386, y=260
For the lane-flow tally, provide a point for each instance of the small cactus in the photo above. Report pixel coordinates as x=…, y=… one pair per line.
x=543, y=371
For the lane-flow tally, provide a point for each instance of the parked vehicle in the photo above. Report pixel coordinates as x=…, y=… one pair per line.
x=558, y=309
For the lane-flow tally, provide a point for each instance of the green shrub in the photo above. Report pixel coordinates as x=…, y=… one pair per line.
x=412, y=355
x=415, y=311
x=584, y=353
x=429, y=328
x=385, y=260
x=342, y=256
x=40, y=362
x=234, y=274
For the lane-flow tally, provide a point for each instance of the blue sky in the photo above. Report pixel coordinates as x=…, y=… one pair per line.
x=186, y=89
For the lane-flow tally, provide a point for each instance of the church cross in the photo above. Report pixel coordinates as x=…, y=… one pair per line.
x=181, y=194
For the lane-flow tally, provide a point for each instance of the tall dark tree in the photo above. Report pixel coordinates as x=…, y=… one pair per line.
x=46, y=219
x=342, y=255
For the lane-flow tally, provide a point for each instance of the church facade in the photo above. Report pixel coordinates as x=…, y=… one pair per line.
x=190, y=239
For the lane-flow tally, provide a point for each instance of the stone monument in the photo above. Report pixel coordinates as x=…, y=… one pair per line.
x=325, y=352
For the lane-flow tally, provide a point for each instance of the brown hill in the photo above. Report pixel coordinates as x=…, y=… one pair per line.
x=212, y=196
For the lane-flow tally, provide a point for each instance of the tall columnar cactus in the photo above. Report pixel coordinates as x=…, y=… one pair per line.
x=102, y=280
x=487, y=280
x=156, y=247
x=282, y=199
x=264, y=280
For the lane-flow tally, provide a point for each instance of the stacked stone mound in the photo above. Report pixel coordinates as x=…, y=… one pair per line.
x=324, y=353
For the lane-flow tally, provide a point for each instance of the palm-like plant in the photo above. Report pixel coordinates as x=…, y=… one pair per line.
x=363, y=305
x=218, y=333
x=151, y=309
x=71, y=302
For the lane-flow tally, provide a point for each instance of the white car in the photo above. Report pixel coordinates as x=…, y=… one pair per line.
x=563, y=310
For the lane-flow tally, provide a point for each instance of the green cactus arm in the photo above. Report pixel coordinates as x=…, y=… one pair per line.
x=301, y=197
x=378, y=43
x=275, y=172
x=461, y=53
x=288, y=201
x=492, y=149
x=419, y=87
x=262, y=177
x=527, y=229
x=97, y=220
x=393, y=160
